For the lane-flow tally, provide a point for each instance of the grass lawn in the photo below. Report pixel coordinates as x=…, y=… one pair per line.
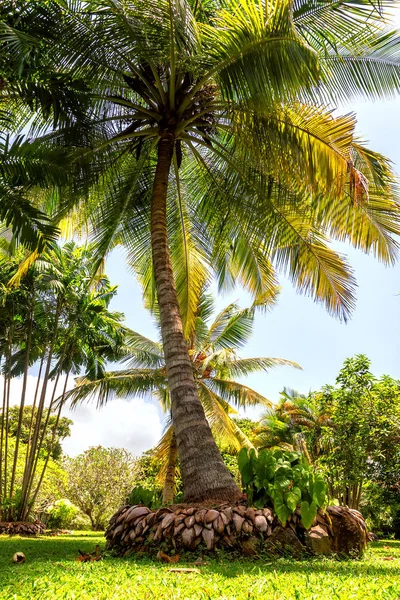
x=52, y=571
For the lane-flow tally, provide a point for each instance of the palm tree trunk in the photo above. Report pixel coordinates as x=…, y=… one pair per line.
x=21, y=407
x=28, y=446
x=7, y=409
x=27, y=479
x=3, y=414
x=204, y=475
x=169, y=483
x=53, y=439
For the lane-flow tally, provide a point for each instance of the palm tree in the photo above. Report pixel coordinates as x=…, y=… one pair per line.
x=297, y=422
x=58, y=317
x=220, y=113
x=213, y=353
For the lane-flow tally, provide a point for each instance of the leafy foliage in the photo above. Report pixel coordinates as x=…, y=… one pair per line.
x=99, y=481
x=147, y=497
x=61, y=514
x=285, y=480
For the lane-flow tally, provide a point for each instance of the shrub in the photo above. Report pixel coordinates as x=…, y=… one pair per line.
x=283, y=480
x=61, y=514
x=149, y=498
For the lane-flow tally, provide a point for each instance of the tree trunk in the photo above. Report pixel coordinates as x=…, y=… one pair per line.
x=204, y=475
x=22, y=406
x=169, y=484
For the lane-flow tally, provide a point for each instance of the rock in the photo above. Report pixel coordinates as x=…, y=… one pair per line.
x=167, y=520
x=208, y=537
x=251, y=514
x=238, y=522
x=247, y=528
x=178, y=528
x=190, y=521
x=284, y=539
x=199, y=516
x=197, y=529
x=349, y=531
x=261, y=523
x=219, y=524
x=188, y=537
x=240, y=510
x=268, y=514
x=179, y=518
x=135, y=512
x=250, y=546
x=318, y=540
x=228, y=513
x=211, y=515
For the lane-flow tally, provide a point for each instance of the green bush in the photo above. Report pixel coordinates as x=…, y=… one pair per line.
x=284, y=481
x=80, y=523
x=149, y=498
x=61, y=514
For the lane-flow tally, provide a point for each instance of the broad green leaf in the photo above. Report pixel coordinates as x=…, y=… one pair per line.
x=308, y=513
x=243, y=458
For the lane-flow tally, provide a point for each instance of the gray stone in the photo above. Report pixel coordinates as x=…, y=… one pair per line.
x=318, y=540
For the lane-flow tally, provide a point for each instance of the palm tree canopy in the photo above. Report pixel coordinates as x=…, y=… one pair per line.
x=247, y=90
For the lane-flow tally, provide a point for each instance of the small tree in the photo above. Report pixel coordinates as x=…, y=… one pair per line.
x=98, y=481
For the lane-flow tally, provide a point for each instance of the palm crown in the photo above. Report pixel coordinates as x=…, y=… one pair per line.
x=208, y=127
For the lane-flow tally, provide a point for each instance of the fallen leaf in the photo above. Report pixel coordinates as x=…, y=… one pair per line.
x=168, y=559
x=183, y=570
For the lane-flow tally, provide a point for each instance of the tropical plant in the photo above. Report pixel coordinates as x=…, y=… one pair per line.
x=363, y=442
x=350, y=431
x=58, y=319
x=211, y=122
x=284, y=479
x=213, y=353
x=294, y=423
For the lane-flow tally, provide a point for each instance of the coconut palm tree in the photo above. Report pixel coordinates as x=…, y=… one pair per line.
x=213, y=348
x=297, y=422
x=220, y=113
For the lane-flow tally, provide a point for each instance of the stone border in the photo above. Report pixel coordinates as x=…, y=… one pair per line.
x=337, y=530
x=22, y=528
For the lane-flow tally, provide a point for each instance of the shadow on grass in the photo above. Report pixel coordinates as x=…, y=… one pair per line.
x=49, y=548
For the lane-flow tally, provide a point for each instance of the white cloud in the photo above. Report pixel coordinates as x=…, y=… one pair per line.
x=135, y=425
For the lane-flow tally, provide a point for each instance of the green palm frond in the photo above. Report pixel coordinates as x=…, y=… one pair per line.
x=116, y=384
x=241, y=367
x=141, y=352
x=238, y=394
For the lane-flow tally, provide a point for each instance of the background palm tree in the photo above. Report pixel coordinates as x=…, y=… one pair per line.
x=296, y=422
x=224, y=110
x=213, y=350
x=59, y=319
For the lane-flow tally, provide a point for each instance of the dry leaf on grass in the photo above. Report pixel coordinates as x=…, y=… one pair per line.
x=92, y=557
x=168, y=559
x=183, y=570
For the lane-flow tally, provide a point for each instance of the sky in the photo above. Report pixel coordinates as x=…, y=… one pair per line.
x=296, y=329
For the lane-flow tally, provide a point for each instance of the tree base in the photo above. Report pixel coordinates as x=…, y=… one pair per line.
x=251, y=531
x=22, y=528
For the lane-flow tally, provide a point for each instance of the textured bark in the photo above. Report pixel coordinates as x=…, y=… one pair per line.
x=204, y=474
x=169, y=484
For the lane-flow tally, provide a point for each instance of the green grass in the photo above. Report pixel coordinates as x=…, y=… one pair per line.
x=52, y=571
